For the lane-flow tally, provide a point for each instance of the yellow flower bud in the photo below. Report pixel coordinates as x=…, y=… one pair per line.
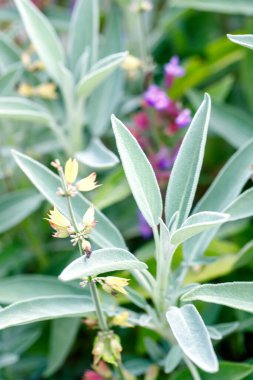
x=131, y=63
x=46, y=90
x=86, y=246
x=88, y=183
x=88, y=218
x=71, y=170
x=25, y=90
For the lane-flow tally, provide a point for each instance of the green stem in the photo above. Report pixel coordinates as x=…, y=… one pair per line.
x=76, y=128
x=70, y=208
x=192, y=369
x=120, y=371
x=61, y=136
x=100, y=315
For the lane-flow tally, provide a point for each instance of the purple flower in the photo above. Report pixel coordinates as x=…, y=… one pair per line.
x=144, y=229
x=163, y=159
x=184, y=118
x=156, y=98
x=173, y=70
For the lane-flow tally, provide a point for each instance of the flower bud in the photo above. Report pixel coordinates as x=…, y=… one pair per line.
x=71, y=170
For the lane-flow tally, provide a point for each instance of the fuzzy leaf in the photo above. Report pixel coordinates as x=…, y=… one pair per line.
x=198, y=223
x=84, y=30
x=139, y=173
x=60, y=342
x=243, y=40
x=16, y=206
x=21, y=287
x=192, y=336
x=43, y=37
x=238, y=295
x=225, y=188
x=101, y=261
x=186, y=170
x=99, y=73
x=45, y=308
x=96, y=155
x=243, y=7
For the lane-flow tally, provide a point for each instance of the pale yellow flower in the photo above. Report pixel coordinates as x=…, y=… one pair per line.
x=131, y=63
x=71, y=170
x=87, y=184
x=46, y=91
x=117, y=284
x=89, y=217
x=25, y=89
x=121, y=320
x=59, y=223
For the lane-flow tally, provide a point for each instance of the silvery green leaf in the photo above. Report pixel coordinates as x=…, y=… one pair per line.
x=43, y=37
x=225, y=329
x=192, y=336
x=244, y=256
x=21, y=109
x=67, y=89
x=101, y=261
x=108, y=95
x=243, y=7
x=19, y=339
x=245, y=40
x=16, y=206
x=10, y=78
x=227, y=121
x=8, y=359
x=9, y=53
x=225, y=188
x=186, y=170
x=60, y=342
x=198, y=223
x=172, y=359
x=98, y=73
x=138, y=366
x=238, y=295
x=45, y=308
x=105, y=234
x=153, y=349
x=214, y=334
x=241, y=207
x=96, y=155
x=21, y=287
x=84, y=31
x=136, y=298
x=139, y=173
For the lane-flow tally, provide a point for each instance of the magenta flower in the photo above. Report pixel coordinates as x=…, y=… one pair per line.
x=173, y=70
x=156, y=98
x=141, y=121
x=184, y=118
x=92, y=375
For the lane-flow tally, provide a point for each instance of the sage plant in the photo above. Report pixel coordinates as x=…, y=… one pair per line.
x=168, y=305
